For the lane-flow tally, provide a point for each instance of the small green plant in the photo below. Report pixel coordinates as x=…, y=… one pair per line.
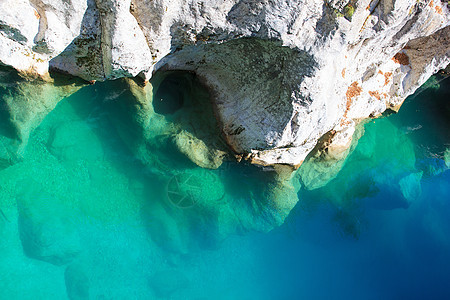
x=349, y=10
x=338, y=14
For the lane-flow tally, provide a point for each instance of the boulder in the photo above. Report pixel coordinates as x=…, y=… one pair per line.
x=46, y=225
x=410, y=186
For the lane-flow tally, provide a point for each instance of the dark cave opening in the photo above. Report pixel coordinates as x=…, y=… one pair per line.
x=171, y=93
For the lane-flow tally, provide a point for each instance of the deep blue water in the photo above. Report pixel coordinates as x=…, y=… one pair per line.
x=83, y=218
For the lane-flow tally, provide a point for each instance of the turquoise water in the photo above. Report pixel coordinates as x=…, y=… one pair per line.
x=104, y=202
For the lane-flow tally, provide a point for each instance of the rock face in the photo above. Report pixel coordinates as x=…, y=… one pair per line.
x=282, y=73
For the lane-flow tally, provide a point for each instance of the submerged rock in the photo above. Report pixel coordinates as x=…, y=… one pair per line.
x=167, y=282
x=8, y=151
x=374, y=168
x=75, y=140
x=200, y=209
x=328, y=157
x=77, y=282
x=166, y=230
x=197, y=151
x=410, y=186
x=431, y=166
x=195, y=187
x=447, y=157
x=23, y=105
x=46, y=227
x=152, y=134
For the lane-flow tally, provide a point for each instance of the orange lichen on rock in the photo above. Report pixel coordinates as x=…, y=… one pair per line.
x=379, y=72
x=375, y=94
x=37, y=15
x=438, y=9
x=345, y=122
x=401, y=58
x=343, y=73
x=353, y=90
x=387, y=77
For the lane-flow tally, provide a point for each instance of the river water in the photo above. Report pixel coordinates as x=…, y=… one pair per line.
x=83, y=218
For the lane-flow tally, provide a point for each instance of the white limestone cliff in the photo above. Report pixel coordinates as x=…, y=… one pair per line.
x=282, y=73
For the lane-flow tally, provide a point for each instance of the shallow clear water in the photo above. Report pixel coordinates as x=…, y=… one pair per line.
x=82, y=217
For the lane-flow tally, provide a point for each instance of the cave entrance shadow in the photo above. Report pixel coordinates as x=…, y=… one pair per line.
x=171, y=92
x=185, y=102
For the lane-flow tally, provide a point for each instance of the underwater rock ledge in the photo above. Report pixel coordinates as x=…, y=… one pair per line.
x=279, y=83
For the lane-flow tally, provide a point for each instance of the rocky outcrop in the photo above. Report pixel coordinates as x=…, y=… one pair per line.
x=23, y=105
x=328, y=157
x=282, y=73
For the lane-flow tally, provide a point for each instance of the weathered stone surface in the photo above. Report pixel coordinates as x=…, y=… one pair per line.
x=310, y=66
